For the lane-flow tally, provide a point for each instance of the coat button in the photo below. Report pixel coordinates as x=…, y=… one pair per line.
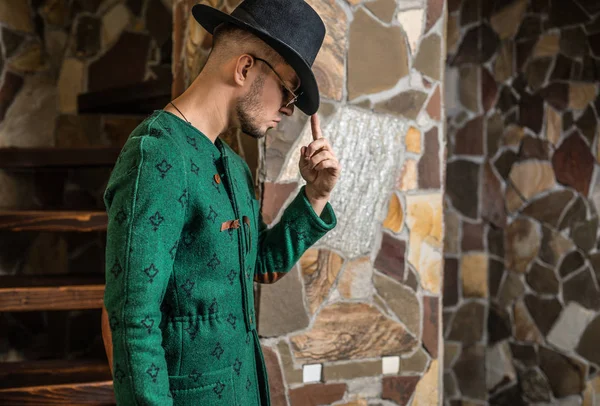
x=217, y=178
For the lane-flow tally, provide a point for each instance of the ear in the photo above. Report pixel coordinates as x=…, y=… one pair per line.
x=242, y=69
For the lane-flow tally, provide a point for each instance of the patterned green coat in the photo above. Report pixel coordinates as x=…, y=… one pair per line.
x=185, y=242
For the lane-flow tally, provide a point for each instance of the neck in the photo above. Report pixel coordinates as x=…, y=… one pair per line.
x=207, y=104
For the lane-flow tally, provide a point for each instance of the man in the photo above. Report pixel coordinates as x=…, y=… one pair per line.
x=185, y=239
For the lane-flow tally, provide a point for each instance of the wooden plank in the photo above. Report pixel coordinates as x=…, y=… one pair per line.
x=91, y=393
x=14, y=375
x=54, y=157
x=78, y=221
x=53, y=292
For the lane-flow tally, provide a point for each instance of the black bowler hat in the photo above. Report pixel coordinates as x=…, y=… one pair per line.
x=290, y=27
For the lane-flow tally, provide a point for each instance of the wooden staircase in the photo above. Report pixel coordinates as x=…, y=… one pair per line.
x=54, y=382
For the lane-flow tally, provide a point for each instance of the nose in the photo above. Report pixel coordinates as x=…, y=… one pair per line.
x=288, y=111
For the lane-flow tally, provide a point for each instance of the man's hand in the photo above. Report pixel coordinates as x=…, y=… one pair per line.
x=318, y=165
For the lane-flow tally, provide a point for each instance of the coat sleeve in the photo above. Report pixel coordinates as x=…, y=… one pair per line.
x=280, y=247
x=146, y=200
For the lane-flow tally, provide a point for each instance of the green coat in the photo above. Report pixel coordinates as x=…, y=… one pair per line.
x=180, y=268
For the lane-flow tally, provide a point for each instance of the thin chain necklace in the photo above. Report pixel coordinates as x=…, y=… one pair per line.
x=180, y=113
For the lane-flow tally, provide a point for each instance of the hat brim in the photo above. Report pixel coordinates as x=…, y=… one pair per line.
x=308, y=102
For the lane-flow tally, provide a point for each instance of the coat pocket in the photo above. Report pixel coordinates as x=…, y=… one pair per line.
x=210, y=388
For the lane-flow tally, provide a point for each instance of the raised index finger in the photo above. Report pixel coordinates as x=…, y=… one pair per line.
x=316, y=127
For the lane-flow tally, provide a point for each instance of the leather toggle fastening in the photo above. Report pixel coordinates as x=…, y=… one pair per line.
x=230, y=224
x=217, y=179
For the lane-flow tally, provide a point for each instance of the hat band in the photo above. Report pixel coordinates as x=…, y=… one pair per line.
x=243, y=15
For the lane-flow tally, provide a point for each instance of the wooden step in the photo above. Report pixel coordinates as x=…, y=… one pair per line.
x=54, y=157
x=51, y=292
x=56, y=382
x=61, y=221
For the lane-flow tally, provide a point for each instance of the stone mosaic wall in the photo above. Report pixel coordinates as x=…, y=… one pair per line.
x=522, y=262
x=363, y=307
x=51, y=50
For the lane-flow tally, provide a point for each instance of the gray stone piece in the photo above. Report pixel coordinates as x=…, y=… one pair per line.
x=570, y=325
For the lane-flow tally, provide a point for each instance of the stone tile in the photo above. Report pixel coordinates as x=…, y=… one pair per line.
x=355, y=282
x=588, y=345
x=131, y=50
x=9, y=88
x=472, y=237
x=401, y=300
x=87, y=36
x=282, y=308
x=412, y=22
x=566, y=13
x=530, y=178
x=542, y=279
x=492, y=200
x=29, y=60
x=575, y=213
x=498, y=324
x=569, y=327
x=522, y=243
x=292, y=375
x=413, y=140
x=535, y=385
x=576, y=173
x=467, y=326
x=495, y=129
x=377, y=65
x=395, y=216
x=513, y=135
x=581, y=288
x=434, y=107
x=411, y=279
x=547, y=45
x=317, y=394
x=554, y=246
x=424, y=219
x=452, y=34
x=489, y=90
x=557, y=95
x=470, y=12
x=504, y=162
x=450, y=385
x=158, y=26
x=320, y=269
x=329, y=67
x=366, y=332
x=427, y=391
x=428, y=59
x=276, y=383
x=351, y=370
x=512, y=288
x=581, y=94
x=573, y=42
x=470, y=372
x=549, y=208
x=469, y=49
x=531, y=27
x=470, y=85
x=114, y=23
x=524, y=327
x=543, y=311
x=511, y=395
x=407, y=104
x=537, y=71
x=565, y=375
x=570, y=263
x=524, y=355
x=429, y=164
x=451, y=229
x=16, y=15
x=506, y=21
x=503, y=65
x=465, y=176
x=399, y=388
x=587, y=124
x=431, y=312
x=531, y=112
x=390, y=259
x=590, y=7
x=450, y=296
x=495, y=271
x=408, y=176
x=499, y=366
x=468, y=140
x=382, y=9
x=474, y=274
x=434, y=12
x=275, y=196
x=416, y=363
x=553, y=125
